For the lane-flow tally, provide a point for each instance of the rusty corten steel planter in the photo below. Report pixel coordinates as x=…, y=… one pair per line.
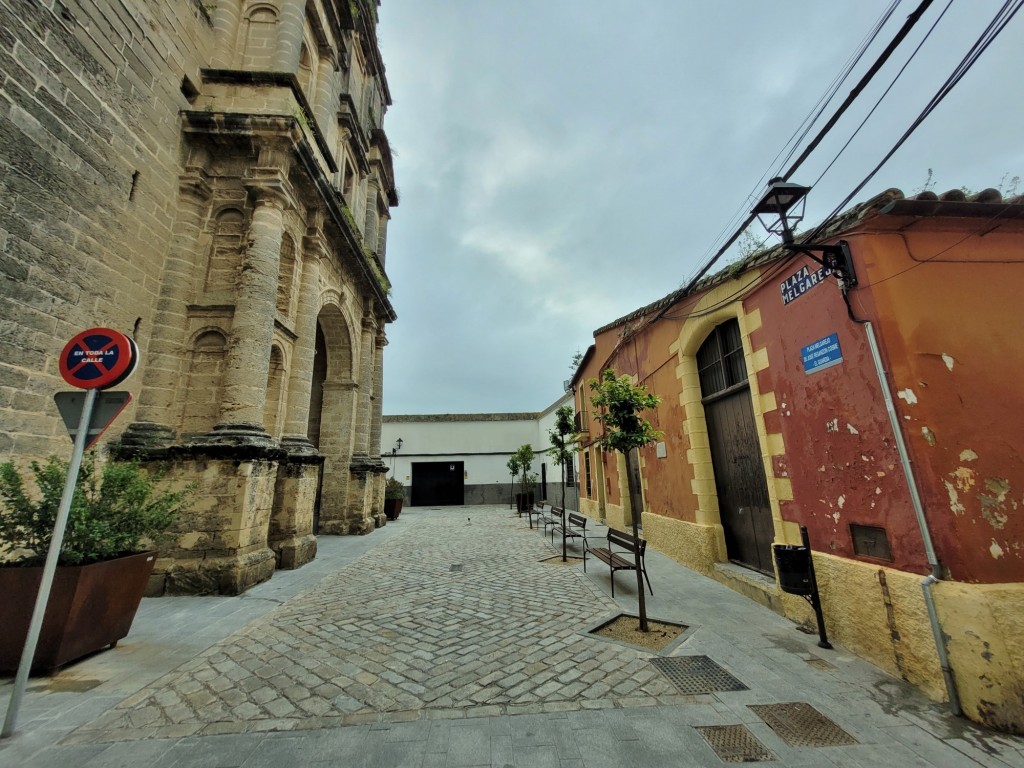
x=91, y=607
x=393, y=508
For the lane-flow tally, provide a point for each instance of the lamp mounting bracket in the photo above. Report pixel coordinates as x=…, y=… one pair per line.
x=834, y=257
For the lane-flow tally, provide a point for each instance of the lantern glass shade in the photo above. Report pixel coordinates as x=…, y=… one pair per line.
x=782, y=207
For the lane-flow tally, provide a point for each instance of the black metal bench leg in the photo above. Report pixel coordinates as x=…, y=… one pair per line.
x=644, y=571
x=612, y=571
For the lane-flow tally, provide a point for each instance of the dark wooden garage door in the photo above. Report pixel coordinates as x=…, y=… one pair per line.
x=437, y=483
x=735, y=449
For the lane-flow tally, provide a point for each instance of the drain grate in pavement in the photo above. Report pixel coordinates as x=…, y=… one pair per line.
x=801, y=725
x=735, y=744
x=696, y=674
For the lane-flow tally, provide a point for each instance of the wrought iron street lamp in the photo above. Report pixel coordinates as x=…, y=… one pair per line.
x=394, y=452
x=781, y=208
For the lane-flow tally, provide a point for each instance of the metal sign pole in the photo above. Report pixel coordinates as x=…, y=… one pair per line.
x=50, y=567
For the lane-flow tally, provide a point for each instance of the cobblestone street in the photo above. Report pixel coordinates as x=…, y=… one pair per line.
x=444, y=639
x=451, y=614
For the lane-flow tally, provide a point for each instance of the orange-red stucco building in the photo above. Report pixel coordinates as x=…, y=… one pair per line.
x=776, y=415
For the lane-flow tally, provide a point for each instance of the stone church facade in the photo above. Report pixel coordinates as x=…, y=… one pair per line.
x=211, y=178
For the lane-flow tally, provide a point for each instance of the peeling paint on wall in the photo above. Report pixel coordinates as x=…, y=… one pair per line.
x=908, y=395
x=841, y=501
x=964, y=478
x=992, y=507
x=948, y=361
x=929, y=436
x=968, y=455
x=853, y=429
x=832, y=426
x=995, y=550
x=954, y=499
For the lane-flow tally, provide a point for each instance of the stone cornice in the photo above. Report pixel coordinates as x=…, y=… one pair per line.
x=282, y=80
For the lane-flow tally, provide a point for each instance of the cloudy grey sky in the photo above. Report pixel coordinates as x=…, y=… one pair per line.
x=564, y=162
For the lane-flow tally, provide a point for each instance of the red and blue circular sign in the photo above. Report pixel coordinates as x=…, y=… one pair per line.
x=98, y=358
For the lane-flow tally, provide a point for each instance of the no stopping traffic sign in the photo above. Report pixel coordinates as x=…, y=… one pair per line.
x=98, y=358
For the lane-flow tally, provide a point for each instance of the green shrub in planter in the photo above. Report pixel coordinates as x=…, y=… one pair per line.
x=393, y=489
x=394, y=497
x=113, y=512
x=116, y=514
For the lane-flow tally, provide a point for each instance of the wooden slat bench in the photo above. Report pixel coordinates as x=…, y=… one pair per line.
x=575, y=527
x=554, y=516
x=536, y=511
x=620, y=562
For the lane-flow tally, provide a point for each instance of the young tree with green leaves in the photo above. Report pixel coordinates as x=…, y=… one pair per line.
x=513, y=468
x=524, y=457
x=619, y=403
x=563, y=445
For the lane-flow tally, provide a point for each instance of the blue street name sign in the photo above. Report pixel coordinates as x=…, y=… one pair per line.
x=822, y=354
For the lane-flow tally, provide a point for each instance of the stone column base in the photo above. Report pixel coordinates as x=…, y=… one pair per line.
x=226, y=575
x=291, y=520
x=354, y=527
x=219, y=544
x=295, y=551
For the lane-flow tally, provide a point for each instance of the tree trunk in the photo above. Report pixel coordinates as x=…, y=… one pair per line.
x=641, y=603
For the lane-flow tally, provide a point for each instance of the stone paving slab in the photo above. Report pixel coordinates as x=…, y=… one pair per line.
x=450, y=615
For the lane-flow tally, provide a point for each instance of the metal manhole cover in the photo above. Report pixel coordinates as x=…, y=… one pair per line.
x=696, y=674
x=735, y=744
x=455, y=567
x=801, y=725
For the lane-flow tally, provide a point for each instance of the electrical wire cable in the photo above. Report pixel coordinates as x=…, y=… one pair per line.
x=1002, y=17
x=851, y=97
x=801, y=131
x=884, y=93
x=999, y=22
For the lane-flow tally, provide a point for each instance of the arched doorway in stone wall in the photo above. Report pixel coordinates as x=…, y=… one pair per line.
x=332, y=415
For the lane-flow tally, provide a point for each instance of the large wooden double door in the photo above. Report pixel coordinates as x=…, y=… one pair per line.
x=735, y=449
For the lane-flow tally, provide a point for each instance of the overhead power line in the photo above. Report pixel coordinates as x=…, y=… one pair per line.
x=868, y=76
x=885, y=93
x=1002, y=17
x=801, y=131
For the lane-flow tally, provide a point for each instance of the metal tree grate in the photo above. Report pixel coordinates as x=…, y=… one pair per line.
x=696, y=674
x=735, y=744
x=801, y=725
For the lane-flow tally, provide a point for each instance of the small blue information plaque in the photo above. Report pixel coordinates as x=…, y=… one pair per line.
x=822, y=354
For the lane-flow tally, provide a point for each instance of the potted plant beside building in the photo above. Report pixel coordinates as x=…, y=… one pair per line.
x=104, y=564
x=394, y=497
x=527, y=479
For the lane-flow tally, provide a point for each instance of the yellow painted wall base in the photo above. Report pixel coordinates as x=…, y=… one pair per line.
x=616, y=517
x=692, y=544
x=880, y=614
x=590, y=508
x=985, y=625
